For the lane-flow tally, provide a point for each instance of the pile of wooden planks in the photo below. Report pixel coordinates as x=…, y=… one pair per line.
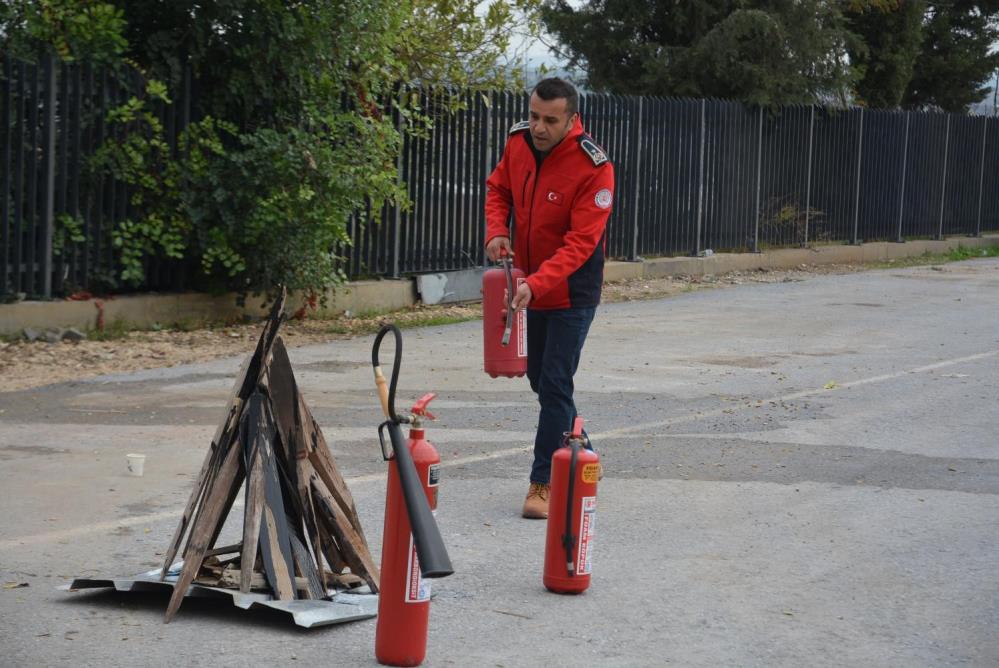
x=301, y=533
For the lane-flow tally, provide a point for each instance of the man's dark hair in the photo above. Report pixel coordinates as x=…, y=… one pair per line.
x=553, y=88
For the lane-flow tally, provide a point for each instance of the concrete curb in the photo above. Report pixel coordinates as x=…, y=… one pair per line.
x=787, y=258
x=360, y=297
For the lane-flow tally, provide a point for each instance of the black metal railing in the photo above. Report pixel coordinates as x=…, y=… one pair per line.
x=711, y=174
x=691, y=175
x=52, y=121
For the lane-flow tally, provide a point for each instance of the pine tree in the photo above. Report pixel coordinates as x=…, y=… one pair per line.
x=890, y=40
x=760, y=51
x=954, y=66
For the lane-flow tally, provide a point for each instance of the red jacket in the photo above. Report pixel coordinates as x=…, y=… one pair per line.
x=560, y=214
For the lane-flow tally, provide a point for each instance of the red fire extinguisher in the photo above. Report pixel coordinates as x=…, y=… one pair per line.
x=404, y=595
x=412, y=548
x=504, y=331
x=572, y=512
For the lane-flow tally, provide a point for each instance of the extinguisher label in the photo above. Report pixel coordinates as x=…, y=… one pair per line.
x=587, y=525
x=591, y=472
x=434, y=475
x=417, y=588
x=521, y=327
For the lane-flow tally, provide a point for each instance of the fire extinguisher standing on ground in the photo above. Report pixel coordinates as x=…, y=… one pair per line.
x=504, y=331
x=412, y=547
x=572, y=513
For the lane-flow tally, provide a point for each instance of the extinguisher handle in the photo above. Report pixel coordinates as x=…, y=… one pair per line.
x=509, y=301
x=383, y=391
x=577, y=427
x=420, y=407
x=386, y=455
x=569, y=538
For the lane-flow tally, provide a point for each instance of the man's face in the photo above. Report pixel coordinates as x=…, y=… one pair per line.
x=550, y=121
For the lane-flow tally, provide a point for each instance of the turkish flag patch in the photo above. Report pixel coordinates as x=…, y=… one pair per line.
x=555, y=197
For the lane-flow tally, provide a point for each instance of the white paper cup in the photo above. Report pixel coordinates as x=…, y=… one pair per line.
x=135, y=464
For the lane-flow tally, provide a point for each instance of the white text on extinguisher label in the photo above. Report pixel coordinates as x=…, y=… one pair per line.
x=521, y=327
x=587, y=525
x=417, y=589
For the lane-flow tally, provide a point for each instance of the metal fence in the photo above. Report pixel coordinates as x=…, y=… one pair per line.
x=706, y=174
x=691, y=175
x=52, y=120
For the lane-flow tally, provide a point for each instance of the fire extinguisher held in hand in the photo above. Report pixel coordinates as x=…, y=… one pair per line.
x=504, y=331
x=572, y=513
x=412, y=547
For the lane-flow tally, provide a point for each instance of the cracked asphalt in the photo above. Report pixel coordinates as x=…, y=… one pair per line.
x=802, y=473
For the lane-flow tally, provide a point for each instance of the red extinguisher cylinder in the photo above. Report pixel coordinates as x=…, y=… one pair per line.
x=572, y=509
x=404, y=595
x=504, y=334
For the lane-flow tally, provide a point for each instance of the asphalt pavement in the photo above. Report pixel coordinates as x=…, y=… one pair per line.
x=802, y=473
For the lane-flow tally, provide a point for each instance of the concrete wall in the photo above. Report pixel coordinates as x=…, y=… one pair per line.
x=362, y=297
x=146, y=310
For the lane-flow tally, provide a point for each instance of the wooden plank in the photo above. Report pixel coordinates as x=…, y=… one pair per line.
x=275, y=545
x=233, y=577
x=306, y=568
x=228, y=549
x=305, y=473
x=351, y=544
x=258, y=361
x=344, y=580
x=329, y=548
x=276, y=564
x=227, y=507
x=251, y=430
x=230, y=578
x=230, y=475
x=284, y=395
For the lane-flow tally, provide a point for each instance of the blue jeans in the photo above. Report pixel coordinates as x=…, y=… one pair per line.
x=554, y=343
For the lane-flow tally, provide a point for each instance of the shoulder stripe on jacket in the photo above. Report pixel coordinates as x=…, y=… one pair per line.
x=596, y=154
x=520, y=127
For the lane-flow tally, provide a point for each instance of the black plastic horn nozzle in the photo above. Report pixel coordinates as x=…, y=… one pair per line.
x=434, y=560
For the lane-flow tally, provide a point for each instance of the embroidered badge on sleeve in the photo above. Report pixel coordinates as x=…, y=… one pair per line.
x=603, y=198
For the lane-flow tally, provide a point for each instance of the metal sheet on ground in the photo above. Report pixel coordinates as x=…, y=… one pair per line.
x=342, y=606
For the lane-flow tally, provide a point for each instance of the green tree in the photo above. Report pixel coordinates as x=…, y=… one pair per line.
x=890, y=41
x=766, y=52
x=301, y=122
x=74, y=29
x=463, y=43
x=956, y=62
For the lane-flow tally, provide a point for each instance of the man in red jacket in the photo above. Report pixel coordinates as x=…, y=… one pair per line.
x=560, y=186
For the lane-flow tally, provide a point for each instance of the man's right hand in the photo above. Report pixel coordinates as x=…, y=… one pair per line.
x=495, y=247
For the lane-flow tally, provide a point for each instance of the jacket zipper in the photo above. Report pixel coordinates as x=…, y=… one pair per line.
x=530, y=211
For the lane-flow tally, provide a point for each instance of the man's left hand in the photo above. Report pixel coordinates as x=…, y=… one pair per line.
x=522, y=298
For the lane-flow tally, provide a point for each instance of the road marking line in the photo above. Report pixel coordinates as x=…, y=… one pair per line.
x=691, y=417
x=36, y=539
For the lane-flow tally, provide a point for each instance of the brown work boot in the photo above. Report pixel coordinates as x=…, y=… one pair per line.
x=536, y=503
